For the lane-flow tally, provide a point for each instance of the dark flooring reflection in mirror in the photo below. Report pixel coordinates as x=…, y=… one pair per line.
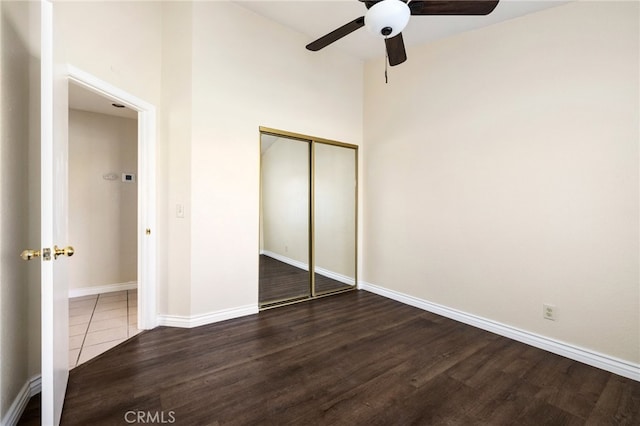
x=280, y=281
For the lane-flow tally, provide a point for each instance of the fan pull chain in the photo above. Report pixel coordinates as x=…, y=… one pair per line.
x=386, y=61
x=386, y=77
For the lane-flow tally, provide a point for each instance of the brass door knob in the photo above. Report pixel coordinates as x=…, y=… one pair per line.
x=67, y=251
x=29, y=254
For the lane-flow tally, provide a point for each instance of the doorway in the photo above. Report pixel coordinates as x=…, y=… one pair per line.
x=135, y=177
x=103, y=147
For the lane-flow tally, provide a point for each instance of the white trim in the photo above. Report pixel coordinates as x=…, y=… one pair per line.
x=30, y=388
x=147, y=243
x=335, y=276
x=586, y=356
x=208, y=318
x=287, y=260
x=301, y=265
x=99, y=289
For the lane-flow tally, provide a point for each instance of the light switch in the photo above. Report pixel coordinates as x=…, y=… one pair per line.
x=180, y=210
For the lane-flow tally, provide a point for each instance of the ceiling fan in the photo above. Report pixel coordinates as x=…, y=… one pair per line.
x=387, y=19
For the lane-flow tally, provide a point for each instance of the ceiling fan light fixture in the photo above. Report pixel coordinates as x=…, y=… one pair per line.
x=387, y=18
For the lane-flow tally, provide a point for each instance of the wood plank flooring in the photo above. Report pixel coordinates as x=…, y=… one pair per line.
x=281, y=281
x=351, y=359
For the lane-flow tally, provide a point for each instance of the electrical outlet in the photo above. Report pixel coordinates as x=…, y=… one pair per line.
x=549, y=312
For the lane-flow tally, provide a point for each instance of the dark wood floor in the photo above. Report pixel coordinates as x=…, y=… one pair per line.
x=280, y=281
x=352, y=359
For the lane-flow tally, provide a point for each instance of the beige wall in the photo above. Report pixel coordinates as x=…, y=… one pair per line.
x=19, y=126
x=174, y=176
x=258, y=73
x=211, y=96
x=121, y=43
x=502, y=173
x=102, y=213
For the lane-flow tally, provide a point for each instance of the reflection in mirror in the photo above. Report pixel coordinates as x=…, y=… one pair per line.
x=334, y=197
x=284, y=219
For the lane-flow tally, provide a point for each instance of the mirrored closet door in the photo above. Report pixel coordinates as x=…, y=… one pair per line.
x=334, y=217
x=308, y=217
x=284, y=219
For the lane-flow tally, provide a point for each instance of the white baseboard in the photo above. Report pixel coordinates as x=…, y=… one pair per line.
x=99, y=289
x=335, y=276
x=287, y=260
x=301, y=265
x=30, y=388
x=208, y=318
x=586, y=356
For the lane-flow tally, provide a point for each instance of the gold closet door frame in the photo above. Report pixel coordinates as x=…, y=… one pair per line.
x=313, y=140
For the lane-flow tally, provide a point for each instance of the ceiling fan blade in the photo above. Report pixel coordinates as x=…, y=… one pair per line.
x=336, y=34
x=395, y=50
x=454, y=7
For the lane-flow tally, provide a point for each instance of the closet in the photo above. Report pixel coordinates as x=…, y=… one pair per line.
x=308, y=217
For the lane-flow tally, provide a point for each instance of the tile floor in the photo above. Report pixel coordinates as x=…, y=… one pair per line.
x=99, y=322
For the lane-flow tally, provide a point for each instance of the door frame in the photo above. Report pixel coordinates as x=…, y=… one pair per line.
x=146, y=227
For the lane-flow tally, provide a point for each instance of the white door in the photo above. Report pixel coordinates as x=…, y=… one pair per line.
x=55, y=250
x=54, y=165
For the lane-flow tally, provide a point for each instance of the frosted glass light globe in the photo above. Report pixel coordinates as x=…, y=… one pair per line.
x=387, y=18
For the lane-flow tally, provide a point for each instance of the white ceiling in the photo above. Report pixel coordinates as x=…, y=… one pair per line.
x=315, y=18
x=86, y=100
